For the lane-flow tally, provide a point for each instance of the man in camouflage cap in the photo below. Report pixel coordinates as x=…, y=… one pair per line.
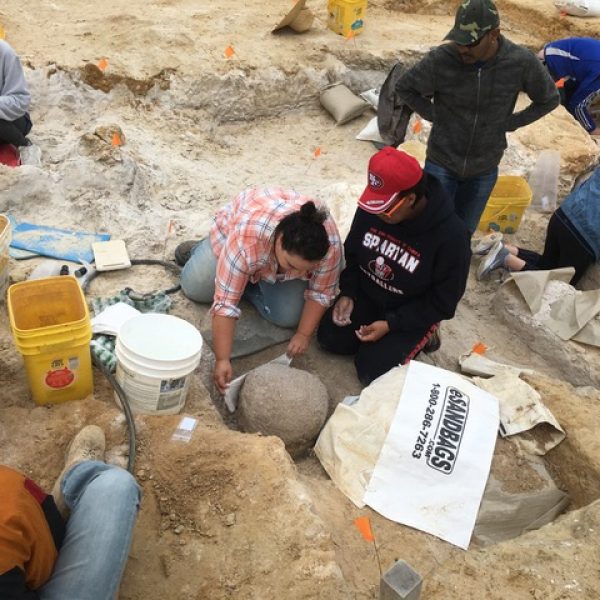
x=468, y=89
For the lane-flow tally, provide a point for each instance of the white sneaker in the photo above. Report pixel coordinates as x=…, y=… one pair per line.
x=494, y=260
x=31, y=155
x=484, y=245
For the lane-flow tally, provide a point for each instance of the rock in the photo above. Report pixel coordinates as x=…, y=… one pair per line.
x=574, y=362
x=103, y=143
x=286, y=402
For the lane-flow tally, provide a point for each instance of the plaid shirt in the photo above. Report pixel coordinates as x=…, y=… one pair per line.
x=242, y=239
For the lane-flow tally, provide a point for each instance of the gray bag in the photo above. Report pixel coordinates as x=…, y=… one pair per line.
x=392, y=115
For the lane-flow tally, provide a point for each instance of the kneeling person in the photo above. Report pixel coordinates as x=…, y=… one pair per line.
x=407, y=262
x=277, y=249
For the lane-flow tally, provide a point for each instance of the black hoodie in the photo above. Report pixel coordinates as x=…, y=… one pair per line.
x=415, y=271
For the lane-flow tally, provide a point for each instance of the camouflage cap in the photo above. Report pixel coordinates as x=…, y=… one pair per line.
x=474, y=18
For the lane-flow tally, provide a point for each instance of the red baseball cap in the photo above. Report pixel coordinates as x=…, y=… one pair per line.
x=390, y=171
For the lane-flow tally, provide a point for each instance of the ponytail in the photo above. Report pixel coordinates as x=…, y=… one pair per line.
x=303, y=233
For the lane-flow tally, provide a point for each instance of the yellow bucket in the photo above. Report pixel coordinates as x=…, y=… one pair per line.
x=507, y=203
x=52, y=330
x=346, y=17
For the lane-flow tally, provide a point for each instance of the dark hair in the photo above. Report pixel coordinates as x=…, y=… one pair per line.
x=303, y=233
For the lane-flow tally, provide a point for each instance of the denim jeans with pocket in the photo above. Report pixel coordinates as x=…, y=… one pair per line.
x=280, y=303
x=470, y=195
x=104, y=501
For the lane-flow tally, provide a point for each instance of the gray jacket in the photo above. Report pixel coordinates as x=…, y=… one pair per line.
x=471, y=107
x=14, y=93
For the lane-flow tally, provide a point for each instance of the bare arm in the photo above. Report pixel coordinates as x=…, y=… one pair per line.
x=311, y=315
x=223, y=330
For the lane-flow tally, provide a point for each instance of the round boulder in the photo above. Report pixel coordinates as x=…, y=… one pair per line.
x=286, y=402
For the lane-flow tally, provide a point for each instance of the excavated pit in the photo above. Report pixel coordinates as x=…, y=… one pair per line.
x=191, y=141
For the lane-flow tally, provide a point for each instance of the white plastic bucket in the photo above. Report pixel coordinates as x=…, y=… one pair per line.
x=156, y=355
x=5, y=239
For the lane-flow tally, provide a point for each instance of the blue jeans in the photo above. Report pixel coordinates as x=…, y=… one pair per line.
x=470, y=195
x=104, y=502
x=280, y=303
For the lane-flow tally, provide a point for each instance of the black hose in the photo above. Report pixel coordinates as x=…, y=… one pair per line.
x=126, y=410
x=145, y=261
x=109, y=376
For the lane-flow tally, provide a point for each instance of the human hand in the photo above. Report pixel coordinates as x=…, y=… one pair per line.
x=223, y=374
x=298, y=344
x=342, y=310
x=373, y=332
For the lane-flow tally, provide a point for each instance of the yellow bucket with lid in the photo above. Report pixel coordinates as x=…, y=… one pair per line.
x=51, y=327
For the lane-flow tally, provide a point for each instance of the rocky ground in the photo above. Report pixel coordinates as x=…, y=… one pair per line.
x=229, y=515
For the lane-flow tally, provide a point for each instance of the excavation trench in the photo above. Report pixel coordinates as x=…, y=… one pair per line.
x=191, y=143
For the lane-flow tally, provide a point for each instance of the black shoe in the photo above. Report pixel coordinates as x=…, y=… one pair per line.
x=184, y=251
x=26, y=143
x=433, y=343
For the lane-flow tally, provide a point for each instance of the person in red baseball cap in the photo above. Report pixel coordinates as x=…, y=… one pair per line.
x=407, y=261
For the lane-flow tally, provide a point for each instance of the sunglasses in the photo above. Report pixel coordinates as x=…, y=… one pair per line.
x=391, y=211
x=475, y=44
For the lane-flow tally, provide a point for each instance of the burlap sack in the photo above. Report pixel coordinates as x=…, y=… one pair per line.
x=342, y=104
x=303, y=21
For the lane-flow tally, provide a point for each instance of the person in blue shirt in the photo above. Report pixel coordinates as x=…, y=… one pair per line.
x=572, y=237
x=576, y=61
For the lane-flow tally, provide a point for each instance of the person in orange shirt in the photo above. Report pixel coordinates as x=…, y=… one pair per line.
x=46, y=556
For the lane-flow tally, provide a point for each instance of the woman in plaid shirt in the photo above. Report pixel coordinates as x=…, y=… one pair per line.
x=278, y=250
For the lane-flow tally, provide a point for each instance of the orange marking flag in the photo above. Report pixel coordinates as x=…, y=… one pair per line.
x=560, y=83
x=103, y=64
x=479, y=348
x=116, y=139
x=229, y=51
x=418, y=126
x=317, y=152
x=363, y=524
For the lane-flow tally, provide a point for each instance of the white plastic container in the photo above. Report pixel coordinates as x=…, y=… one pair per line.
x=156, y=355
x=5, y=239
x=543, y=181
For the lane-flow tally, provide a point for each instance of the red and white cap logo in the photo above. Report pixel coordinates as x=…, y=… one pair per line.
x=375, y=181
x=390, y=171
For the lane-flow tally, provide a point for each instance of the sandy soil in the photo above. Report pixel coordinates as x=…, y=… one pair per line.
x=229, y=515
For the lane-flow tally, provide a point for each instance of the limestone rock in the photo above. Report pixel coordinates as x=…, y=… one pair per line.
x=103, y=143
x=576, y=363
x=286, y=402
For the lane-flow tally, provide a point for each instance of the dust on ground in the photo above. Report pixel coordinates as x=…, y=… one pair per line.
x=229, y=515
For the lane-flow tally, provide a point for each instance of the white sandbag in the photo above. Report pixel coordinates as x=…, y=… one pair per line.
x=579, y=8
x=370, y=132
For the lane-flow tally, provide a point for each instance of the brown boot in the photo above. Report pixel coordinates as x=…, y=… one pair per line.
x=184, y=251
x=88, y=444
